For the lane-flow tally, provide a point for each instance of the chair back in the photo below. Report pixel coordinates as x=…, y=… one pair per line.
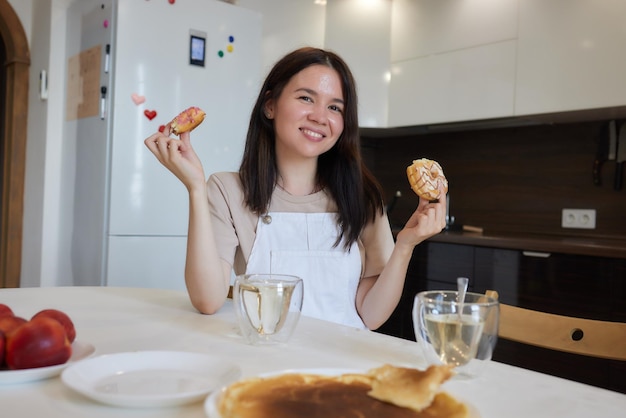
x=604, y=339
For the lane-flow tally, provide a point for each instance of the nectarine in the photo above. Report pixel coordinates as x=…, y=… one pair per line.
x=40, y=342
x=5, y=310
x=62, y=318
x=9, y=322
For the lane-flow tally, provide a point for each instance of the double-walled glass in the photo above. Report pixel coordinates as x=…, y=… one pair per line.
x=267, y=306
x=461, y=334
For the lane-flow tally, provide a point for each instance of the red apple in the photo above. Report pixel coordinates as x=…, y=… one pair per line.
x=5, y=310
x=40, y=342
x=8, y=323
x=61, y=317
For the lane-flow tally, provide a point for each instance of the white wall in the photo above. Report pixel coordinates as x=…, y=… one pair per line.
x=287, y=25
x=49, y=185
x=360, y=32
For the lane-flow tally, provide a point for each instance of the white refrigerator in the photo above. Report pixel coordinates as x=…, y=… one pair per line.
x=132, y=66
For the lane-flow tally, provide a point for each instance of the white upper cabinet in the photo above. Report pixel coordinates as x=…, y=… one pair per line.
x=452, y=60
x=424, y=27
x=571, y=55
x=468, y=84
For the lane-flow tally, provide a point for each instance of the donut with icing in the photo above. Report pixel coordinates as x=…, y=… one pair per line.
x=425, y=176
x=187, y=120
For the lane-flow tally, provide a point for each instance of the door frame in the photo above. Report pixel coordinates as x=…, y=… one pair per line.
x=14, y=133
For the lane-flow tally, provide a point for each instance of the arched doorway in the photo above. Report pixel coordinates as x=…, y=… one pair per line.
x=15, y=63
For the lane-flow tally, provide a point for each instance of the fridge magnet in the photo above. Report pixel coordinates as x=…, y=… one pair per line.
x=172, y=1
x=161, y=128
x=137, y=99
x=229, y=47
x=150, y=114
x=105, y=23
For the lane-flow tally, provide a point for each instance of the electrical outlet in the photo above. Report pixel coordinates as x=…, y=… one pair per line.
x=578, y=218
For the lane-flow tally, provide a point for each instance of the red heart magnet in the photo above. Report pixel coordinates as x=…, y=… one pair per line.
x=150, y=114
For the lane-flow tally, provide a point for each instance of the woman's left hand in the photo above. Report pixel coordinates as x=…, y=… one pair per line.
x=428, y=219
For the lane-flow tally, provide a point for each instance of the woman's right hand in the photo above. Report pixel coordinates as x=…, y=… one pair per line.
x=178, y=156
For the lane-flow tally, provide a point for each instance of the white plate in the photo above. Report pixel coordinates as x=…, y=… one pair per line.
x=212, y=401
x=149, y=378
x=80, y=351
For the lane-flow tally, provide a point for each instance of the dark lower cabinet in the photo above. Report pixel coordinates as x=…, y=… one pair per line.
x=573, y=285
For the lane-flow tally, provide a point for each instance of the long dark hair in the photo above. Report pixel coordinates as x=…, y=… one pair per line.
x=340, y=170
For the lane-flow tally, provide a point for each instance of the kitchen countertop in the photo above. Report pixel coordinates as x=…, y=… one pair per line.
x=600, y=247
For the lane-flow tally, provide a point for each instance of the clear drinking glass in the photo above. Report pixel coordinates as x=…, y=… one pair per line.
x=267, y=306
x=461, y=334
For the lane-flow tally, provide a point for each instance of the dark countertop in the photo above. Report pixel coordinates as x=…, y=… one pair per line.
x=600, y=247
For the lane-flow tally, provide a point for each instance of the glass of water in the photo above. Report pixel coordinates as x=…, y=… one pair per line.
x=267, y=306
x=462, y=334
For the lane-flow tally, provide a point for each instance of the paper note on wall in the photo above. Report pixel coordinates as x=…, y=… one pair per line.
x=83, y=84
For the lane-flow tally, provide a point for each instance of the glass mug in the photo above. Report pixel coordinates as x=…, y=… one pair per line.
x=461, y=334
x=267, y=306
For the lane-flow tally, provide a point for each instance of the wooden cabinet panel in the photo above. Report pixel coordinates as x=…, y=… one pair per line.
x=557, y=283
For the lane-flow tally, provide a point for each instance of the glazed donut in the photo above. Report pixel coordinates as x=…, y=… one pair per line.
x=187, y=120
x=424, y=176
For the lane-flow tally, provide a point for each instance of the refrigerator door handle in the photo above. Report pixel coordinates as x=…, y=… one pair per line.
x=103, y=102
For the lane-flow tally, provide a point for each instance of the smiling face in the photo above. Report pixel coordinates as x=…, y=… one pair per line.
x=308, y=114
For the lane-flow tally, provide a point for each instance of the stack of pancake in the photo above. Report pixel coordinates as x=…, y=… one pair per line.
x=387, y=391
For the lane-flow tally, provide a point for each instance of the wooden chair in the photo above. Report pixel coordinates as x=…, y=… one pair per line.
x=587, y=337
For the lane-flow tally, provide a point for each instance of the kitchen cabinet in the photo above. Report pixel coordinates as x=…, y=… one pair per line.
x=468, y=84
x=575, y=285
x=457, y=61
x=452, y=61
x=425, y=27
x=570, y=55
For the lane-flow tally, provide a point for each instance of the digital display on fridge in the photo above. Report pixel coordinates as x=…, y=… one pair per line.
x=197, y=47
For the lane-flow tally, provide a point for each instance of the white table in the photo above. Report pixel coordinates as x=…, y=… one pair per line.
x=125, y=319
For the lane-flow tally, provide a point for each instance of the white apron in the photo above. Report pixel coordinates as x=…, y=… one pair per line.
x=301, y=244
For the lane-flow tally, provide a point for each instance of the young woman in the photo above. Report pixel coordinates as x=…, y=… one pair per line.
x=302, y=203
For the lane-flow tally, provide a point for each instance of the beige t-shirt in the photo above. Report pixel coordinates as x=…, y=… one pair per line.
x=234, y=225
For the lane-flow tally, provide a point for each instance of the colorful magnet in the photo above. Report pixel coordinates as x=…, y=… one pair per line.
x=161, y=128
x=137, y=99
x=172, y=1
x=105, y=23
x=231, y=39
x=229, y=48
x=150, y=114
x=220, y=53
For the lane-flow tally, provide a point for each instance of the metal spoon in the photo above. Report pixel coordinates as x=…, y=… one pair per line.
x=460, y=351
x=461, y=283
